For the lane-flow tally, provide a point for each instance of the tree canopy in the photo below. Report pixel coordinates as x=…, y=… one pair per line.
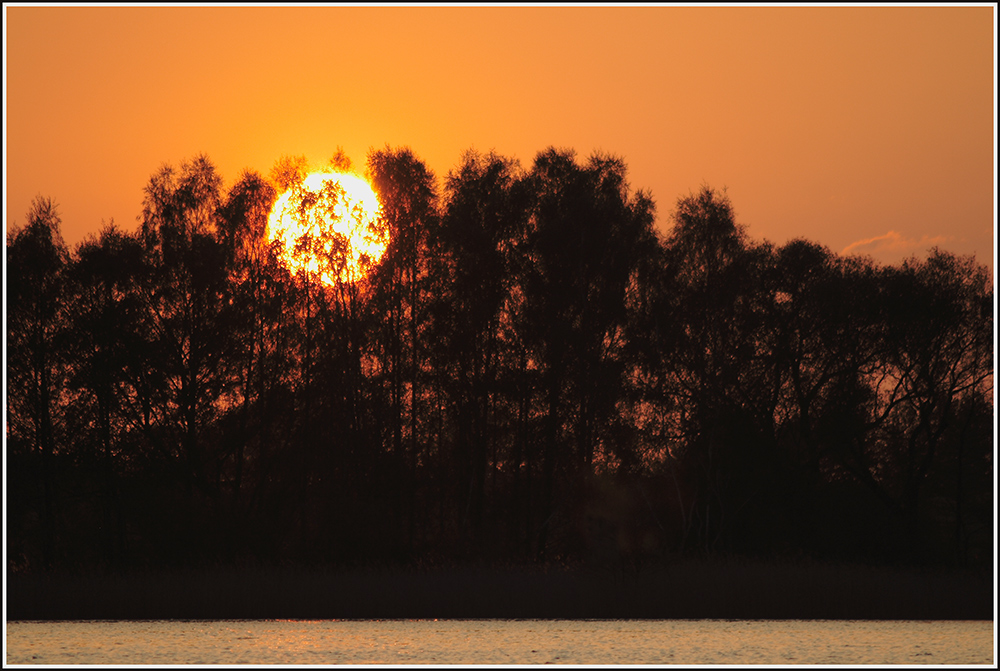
x=532, y=373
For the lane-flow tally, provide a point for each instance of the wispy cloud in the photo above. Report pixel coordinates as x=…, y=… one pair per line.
x=895, y=244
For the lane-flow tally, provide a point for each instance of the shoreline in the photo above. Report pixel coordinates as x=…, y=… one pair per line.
x=716, y=590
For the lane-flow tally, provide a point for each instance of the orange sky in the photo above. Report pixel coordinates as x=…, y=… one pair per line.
x=864, y=128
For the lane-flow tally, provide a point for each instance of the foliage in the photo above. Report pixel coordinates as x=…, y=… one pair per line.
x=532, y=373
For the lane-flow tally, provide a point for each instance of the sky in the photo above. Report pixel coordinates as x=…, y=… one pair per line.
x=866, y=129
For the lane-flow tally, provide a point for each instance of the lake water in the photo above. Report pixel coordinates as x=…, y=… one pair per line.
x=586, y=642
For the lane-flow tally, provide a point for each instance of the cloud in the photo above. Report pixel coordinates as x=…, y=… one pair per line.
x=894, y=243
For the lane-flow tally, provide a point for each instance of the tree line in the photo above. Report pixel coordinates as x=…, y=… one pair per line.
x=532, y=373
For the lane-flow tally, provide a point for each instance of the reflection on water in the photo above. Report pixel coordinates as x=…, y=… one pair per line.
x=501, y=642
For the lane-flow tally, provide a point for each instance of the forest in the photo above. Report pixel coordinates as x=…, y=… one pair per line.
x=534, y=373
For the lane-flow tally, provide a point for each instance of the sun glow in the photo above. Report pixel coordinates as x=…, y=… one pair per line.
x=330, y=227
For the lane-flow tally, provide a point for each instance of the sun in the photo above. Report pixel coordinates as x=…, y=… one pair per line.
x=329, y=224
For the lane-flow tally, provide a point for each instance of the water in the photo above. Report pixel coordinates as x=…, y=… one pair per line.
x=588, y=642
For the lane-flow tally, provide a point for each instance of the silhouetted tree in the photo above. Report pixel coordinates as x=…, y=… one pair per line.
x=107, y=327
x=826, y=341
x=472, y=275
x=407, y=192
x=936, y=362
x=251, y=317
x=289, y=171
x=185, y=299
x=586, y=237
x=36, y=364
x=722, y=377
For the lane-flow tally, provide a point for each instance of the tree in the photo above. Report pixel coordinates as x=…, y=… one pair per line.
x=407, y=192
x=714, y=342
x=289, y=171
x=252, y=316
x=184, y=299
x=472, y=274
x=36, y=363
x=107, y=326
x=935, y=372
x=586, y=239
x=827, y=335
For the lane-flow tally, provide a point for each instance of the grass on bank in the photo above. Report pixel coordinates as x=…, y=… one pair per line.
x=724, y=590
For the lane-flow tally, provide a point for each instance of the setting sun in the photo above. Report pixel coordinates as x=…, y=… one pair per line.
x=329, y=226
